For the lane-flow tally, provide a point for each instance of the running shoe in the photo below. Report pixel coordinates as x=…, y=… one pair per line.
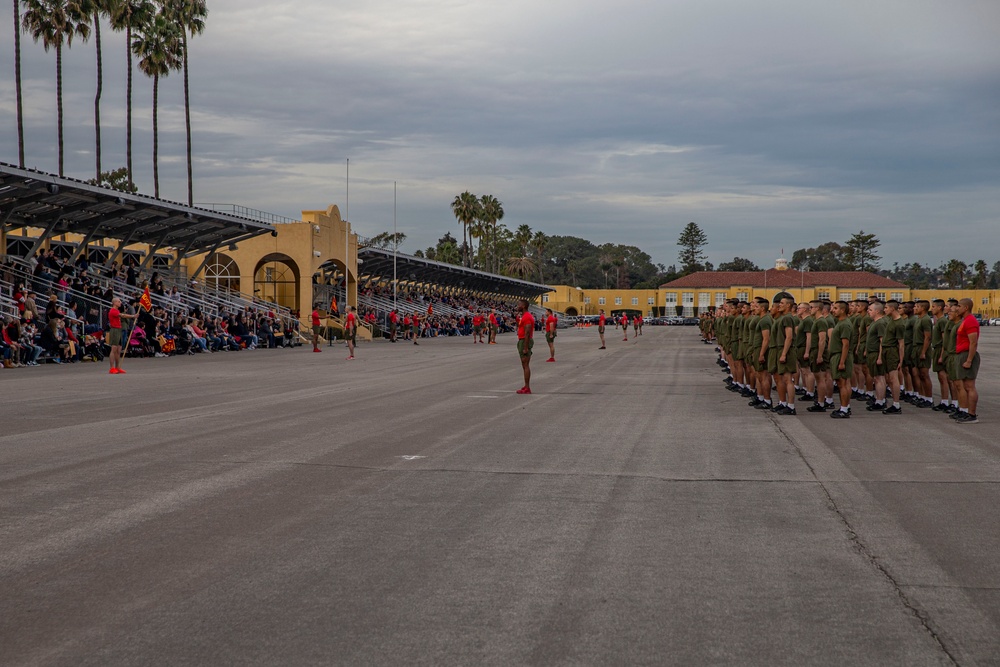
x=840, y=414
x=892, y=410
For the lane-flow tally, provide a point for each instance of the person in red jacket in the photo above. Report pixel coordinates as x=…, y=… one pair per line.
x=601, y=322
x=624, y=322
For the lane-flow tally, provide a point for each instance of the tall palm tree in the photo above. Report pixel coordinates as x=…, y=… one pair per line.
x=157, y=44
x=56, y=22
x=99, y=9
x=522, y=237
x=520, y=266
x=492, y=213
x=190, y=15
x=17, y=83
x=125, y=15
x=466, y=210
x=539, y=242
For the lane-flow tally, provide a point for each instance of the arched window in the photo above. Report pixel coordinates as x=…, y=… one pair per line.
x=277, y=280
x=222, y=272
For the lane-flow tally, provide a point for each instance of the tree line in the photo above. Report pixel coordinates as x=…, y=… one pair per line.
x=156, y=33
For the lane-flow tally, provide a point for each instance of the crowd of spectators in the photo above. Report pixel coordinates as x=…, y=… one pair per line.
x=59, y=316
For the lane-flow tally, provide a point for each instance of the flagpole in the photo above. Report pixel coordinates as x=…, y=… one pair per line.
x=395, y=245
x=347, y=236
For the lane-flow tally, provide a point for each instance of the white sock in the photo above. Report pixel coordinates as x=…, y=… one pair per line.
x=895, y=404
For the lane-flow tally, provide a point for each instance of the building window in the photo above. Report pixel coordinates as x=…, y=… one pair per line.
x=720, y=298
x=743, y=296
x=601, y=301
x=545, y=298
x=986, y=300
x=671, y=298
x=845, y=296
x=586, y=299
x=823, y=294
x=687, y=297
x=879, y=295
x=897, y=296
x=618, y=301
x=651, y=301
x=704, y=298
x=635, y=301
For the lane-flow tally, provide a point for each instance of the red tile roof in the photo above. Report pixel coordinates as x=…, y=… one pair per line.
x=777, y=279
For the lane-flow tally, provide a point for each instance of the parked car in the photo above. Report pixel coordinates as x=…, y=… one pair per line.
x=994, y=322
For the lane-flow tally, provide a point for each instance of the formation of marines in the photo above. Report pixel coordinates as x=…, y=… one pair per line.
x=882, y=353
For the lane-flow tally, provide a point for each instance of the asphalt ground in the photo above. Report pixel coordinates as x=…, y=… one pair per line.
x=280, y=507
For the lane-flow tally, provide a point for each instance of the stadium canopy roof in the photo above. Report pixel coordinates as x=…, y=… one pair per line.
x=57, y=205
x=376, y=264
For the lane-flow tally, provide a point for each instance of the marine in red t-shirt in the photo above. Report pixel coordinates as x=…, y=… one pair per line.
x=351, y=330
x=550, y=333
x=315, y=326
x=601, y=321
x=525, y=341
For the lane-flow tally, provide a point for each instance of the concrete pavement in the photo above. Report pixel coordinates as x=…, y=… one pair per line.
x=284, y=507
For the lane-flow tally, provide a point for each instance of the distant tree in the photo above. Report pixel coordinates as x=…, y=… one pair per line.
x=859, y=252
x=522, y=238
x=491, y=211
x=606, y=266
x=539, y=242
x=126, y=15
x=954, y=272
x=692, y=242
x=573, y=267
x=521, y=267
x=981, y=275
x=738, y=264
x=826, y=257
x=158, y=45
x=418, y=253
x=386, y=240
x=117, y=179
x=465, y=207
x=447, y=253
x=995, y=276
x=17, y=84
x=57, y=22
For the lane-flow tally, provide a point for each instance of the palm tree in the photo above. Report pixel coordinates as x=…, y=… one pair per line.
x=522, y=237
x=520, y=266
x=56, y=22
x=190, y=16
x=17, y=83
x=492, y=213
x=539, y=242
x=605, y=264
x=158, y=46
x=98, y=10
x=466, y=210
x=126, y=14
x=981, y=274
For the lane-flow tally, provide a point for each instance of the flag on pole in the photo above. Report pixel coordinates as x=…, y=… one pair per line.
x=145, y=301
x=333, y=306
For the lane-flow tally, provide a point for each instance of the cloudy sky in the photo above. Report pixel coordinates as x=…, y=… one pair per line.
x=771, y=123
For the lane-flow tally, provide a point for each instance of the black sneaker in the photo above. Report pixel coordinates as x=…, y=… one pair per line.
x=777, y=407
x=815, y=407
x=755, y=402
x=969, y=419
x=780, y=409
x=748, y=392
x=763, y=405
x=924, y=404
x=799, y=391
x=951, y=410
x=788, y=411
x=958, y=415
x=840, y=414
x=892, y=410
x=940, y=407
x=808, y=398
x=858, y=395
x=875, y=407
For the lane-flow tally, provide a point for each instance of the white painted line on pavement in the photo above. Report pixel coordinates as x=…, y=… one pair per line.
x=482, y=397
x=411, y=457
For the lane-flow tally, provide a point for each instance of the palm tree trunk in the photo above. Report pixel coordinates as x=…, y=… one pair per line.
x=17, y=84
x=187, y=119
x=128, y=102
x=465, y=244
x=156, y=139
x=493, y=250
x=100, y=87
x=59, y=104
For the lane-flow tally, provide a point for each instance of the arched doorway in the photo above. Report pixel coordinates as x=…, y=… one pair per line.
x=223, y=272
x=276, y=279
x=571, y=311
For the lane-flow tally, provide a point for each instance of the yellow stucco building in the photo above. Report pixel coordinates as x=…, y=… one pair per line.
x=706, y=290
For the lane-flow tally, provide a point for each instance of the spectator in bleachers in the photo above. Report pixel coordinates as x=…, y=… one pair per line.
x=53, y=342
